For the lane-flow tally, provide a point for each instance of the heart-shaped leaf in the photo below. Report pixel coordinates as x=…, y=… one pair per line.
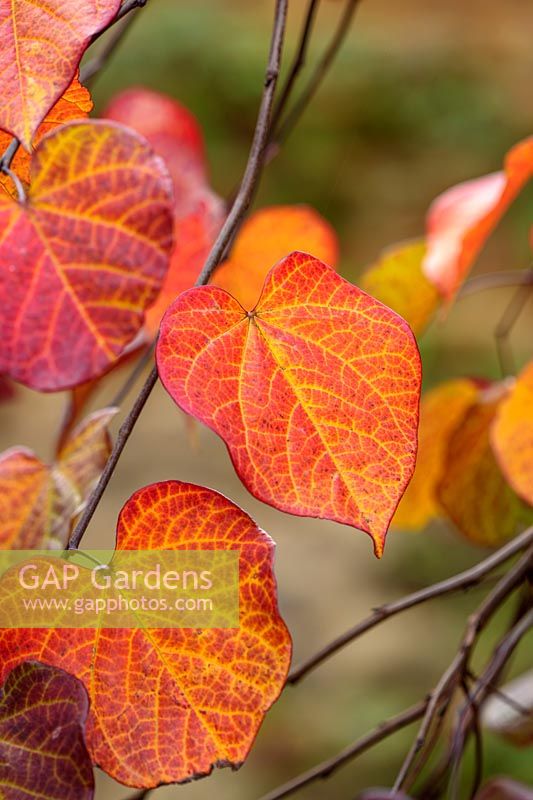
x=42, y=45
x=42, y=748
x=315, y=392
x=168, y=705
x=85, y=255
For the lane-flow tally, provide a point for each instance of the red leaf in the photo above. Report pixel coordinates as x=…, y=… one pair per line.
x=42, y=45
x=315, y=392
x=42, y=748
x=176, y=136
x=84, y=257
x=460, y=220
x=168, y=705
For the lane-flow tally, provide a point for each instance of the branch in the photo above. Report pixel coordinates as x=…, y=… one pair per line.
x=457, y=670
x=507, y=322
x=326, y=768
x=496, y=280
x=89, y=70
x=290, y=120
x=233, y=221
x=9, y=154
x=297, y=64
x=125, y=8
x=462, y=581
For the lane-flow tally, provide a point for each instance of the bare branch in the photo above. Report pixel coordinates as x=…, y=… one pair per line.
x=21, y=194
x=328, y=767
x=92, y=67
x=507, y=322
x=495, y=280
x=457, y=670
x=234, y=219
x=460, y=582
x=7, y=158
x=290, y=120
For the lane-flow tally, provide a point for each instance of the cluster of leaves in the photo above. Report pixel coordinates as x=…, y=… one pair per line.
x=312, y=382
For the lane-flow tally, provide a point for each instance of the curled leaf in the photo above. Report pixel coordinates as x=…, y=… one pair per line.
x=38, y=503
x=460, y=220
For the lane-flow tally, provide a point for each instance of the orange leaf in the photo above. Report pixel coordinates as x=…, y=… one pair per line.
x=169, y=705
x=472, y=490
x=398, y=281
x=38, y=503
x=266, y=237
x=512, y=435
x=315, y=392
x=84, y=257
x=42, y=45
x=460, y=220
x=176, y=136
x=441, y=410
x=74, y=104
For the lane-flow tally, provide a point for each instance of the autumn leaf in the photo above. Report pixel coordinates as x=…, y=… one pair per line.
x=460, y=220
x=512, y=435
x=265, y=238
x=472, y=490
x=42, y=45
x=398, y=281
x=38, y=502
x=315, y=392
x=42, y=748
x=85, y=255
x=189, y=699
x=176, y=136
x=194, y=235
x=504, y=789
x=441, y=410
x=75, y=103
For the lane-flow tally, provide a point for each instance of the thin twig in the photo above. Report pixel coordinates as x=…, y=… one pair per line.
x=235, y=217
x=9, y=154
x=456, y=671
x=460, y=582
x=297, y=64
x=482, y=690
x=506, y=324
x=134, y=374
x=140, y=795
x=289, y=121
x=89, y=70
x=21, y=194
x=495, y=280
x=125, y=8
x=255, y=159
x=326, y=768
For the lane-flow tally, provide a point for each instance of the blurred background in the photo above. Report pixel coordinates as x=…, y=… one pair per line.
x=423, y=95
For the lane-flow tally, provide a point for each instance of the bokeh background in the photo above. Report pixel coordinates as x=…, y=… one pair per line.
x=424, y=94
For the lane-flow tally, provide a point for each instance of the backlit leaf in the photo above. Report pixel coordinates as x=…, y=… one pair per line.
x=398, y=281
x=75, y=103
x=265, y=238
x=512, y=435
x=472, y=490
x=42, y=44
x=84, y=257
x=460, y=220
x=39, y=502
x=42, y=748
x=441, y=410
x=176, y=136
x=169, y=705
x=504, y=789
x=315, y=392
